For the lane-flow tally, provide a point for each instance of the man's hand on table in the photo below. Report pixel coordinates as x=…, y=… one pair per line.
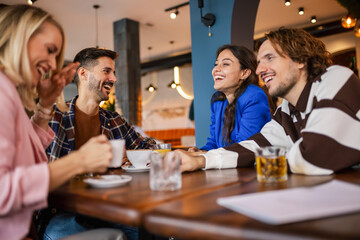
x=191, y=161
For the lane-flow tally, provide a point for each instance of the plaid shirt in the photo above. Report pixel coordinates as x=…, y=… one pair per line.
x=112, y=125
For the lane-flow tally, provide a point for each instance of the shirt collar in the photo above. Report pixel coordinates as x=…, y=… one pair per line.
x=72, y=104
x=304, y=96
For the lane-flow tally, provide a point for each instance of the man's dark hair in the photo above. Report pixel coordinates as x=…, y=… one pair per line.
x=88, y=58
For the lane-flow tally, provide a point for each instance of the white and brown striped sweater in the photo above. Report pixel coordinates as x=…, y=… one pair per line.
x=322, y=132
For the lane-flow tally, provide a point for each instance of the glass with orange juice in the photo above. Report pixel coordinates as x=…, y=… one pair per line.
x=162, y=148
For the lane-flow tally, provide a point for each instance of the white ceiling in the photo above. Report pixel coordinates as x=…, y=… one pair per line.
x=78, y=20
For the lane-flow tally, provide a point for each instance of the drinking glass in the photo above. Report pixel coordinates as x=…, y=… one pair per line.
x=271, y=164
x=162, y=148
x=165, y=172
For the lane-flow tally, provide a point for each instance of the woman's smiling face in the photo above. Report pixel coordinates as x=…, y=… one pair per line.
x=43, y=48
x=227, y=73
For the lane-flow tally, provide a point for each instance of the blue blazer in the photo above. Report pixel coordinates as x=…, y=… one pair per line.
x=252, y=112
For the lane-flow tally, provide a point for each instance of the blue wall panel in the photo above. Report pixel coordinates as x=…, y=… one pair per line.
x=203, y=57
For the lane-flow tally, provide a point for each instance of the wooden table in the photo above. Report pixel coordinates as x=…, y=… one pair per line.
x=200, y=217
x=128, y=204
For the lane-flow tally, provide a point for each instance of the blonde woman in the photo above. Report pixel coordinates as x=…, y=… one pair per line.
x=31, y=56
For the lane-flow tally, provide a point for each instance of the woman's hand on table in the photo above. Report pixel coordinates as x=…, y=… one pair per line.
x=191, y=161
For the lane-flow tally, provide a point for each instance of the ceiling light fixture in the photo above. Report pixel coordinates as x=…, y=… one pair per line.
x=31, y=2
x=96, y=7
x=287, y=3
x=178, y=86
x=173, y=85
x=313, y=19
x=348, y=21
x=174, y=13
x=151, y=88
x=301, y=11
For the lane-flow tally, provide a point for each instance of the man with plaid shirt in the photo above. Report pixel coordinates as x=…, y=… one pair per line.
x=94, y=79
x=82, y=119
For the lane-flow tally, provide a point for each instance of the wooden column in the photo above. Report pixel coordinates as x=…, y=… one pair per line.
x=127, y=67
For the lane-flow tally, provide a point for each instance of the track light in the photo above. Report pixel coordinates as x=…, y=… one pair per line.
x=31, y=2
x=174, y=14
x=151, y=88
x=173, y=85
x=301, y=11
x=313, y=19
x=348, y=21
x=287, y=3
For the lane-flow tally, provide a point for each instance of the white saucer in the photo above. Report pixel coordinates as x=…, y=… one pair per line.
x=131, y=168
x=108, y=181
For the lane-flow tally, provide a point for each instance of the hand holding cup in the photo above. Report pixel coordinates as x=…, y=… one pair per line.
x=96, y=154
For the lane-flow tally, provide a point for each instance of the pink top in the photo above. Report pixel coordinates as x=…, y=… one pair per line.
x=24, y=174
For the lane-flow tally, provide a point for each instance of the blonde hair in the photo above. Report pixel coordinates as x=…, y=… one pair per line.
x=18, y=23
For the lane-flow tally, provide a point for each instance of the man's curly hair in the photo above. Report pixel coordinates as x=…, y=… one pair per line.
x=301, y=47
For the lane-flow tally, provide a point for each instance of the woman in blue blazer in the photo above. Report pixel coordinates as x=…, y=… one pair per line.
x=239, y=107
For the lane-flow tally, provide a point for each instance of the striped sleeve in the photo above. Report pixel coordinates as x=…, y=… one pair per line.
x=242, y=154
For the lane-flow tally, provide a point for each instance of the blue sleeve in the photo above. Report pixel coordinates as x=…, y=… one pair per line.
x=211, y=141
x=254, y=108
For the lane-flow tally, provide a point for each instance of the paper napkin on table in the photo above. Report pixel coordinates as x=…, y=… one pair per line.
x=297, y=204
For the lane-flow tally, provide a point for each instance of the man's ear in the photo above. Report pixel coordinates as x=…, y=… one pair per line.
x=301, y=66
x=82, y=73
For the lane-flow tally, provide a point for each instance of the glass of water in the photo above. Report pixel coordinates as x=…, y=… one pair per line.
x=165, y=172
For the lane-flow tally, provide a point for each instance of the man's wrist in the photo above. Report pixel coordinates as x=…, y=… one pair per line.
x=200, y=161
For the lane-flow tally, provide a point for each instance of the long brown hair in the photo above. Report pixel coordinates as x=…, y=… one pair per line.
x=247, y=60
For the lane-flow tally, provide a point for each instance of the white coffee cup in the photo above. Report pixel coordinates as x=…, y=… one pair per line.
x=139, y=158
x=117, y=146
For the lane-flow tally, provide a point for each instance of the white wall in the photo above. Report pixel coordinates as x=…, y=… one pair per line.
x=343, y=41
x=165, y=108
